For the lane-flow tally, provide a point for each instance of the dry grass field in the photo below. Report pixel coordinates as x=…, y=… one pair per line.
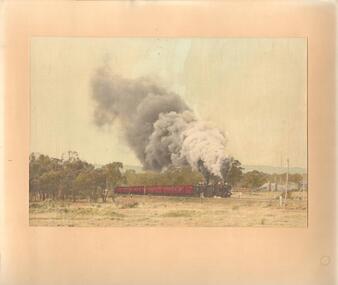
x=245, y=210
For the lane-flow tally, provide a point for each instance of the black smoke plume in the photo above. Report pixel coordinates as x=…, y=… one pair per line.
x=158, y=125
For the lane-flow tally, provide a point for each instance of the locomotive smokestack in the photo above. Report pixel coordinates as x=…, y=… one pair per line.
x=158, y=125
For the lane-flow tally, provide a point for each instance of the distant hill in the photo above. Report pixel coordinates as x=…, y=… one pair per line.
x=273, y=169
x=137, y=168
x=262, y=168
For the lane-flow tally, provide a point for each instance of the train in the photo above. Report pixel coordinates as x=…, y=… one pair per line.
x=201, y=190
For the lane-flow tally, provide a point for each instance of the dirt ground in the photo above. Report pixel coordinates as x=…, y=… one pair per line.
x=241, y=210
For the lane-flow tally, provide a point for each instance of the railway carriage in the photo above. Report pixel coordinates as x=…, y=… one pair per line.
x=221, y=190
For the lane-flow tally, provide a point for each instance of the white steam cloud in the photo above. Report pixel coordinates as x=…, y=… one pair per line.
x=158, y=125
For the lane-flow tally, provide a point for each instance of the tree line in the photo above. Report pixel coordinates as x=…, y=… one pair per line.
x=70, y=178
x=254, y=179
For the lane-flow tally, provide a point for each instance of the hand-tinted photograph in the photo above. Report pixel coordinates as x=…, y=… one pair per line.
x=183, y=132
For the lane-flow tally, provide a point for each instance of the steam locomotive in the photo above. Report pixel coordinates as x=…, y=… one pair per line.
x=202, y=190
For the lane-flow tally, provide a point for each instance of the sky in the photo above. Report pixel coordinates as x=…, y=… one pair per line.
x=255, y=90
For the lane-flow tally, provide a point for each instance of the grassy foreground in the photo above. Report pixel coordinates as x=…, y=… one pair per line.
x=241, y=210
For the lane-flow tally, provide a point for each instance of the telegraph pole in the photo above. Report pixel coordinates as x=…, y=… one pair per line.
x=281, y=166
x=287, y=182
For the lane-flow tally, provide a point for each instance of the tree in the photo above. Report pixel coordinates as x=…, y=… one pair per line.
x=254, y=179
x=73, y=168
x=44, y=173
x=48, y=183
x=181, y=176
x=84, y=183
x=131, y=177
x=99, y=180
x=296, y=178
x=114, y=174
x=236, y=173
